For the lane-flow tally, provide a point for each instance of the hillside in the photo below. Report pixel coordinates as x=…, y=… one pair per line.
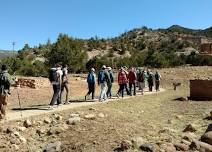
x=6, y=53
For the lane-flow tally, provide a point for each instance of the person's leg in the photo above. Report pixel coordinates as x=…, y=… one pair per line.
x=134, y=89
x=93, y=91
x=3, y=106
x=54, y=97
x=130, y=88
x=59, y=97
x=127, y=90
x=102, y=91
x=122, y=90
x=67, y=91
x=139, y=85
x=109, y=91
x=105, y=91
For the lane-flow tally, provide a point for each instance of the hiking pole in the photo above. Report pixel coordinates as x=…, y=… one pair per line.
x=19, y=101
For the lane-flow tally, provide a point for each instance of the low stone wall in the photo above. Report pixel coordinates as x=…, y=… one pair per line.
x=201, y=89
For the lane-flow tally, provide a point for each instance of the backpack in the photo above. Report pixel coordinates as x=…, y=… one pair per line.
x=90, y=78
x=150, y=78
x=53, y=75
x=101, y=77
x=141, y=77
x=111, y=77
x=4, y=83
x=157, y=77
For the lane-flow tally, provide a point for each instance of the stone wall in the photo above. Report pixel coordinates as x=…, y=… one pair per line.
x=201, y=89
x=206, y=48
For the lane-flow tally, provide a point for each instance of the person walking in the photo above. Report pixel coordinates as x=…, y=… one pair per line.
x=64, y=84
x=109, y=85
x=122, y=81
x=141, y=81
x=157, y=81
x=103, y=79
x=91, y=78
x=150, y=80
x=55, y=78
x=5, y=83
x=132, y=80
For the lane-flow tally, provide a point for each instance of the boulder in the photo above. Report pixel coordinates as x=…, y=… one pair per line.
x=22, y=139
x=209, y=128
x=27, y=123
x=147, y=147
x=72, y=115
x=207, y=137
x=189, y=136
x=53, y=147
x=40, y=131
x=58, y=117
x=73, y=121
x=14, y=147
x=21, y=128
x=201, y=146
x=189, y=128
x=9, y=130
x=55, y=130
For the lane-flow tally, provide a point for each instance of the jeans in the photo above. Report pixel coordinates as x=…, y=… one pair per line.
x=91, y=89
x=109, y=90
x=56, y=95
x=157, y=85
x=134, y=88
x=103, y=94
x=121, y=90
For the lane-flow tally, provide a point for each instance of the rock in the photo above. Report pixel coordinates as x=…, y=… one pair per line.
x=40, y=131
x=21, y=128
x=201, y=146
x=73, y=121
x=90, y=116
x=55, y=130
x=183, y=99
x=27, y=123
x=181, y=146
x=179, y=117
x=9, y=130
x=101, y=115
x=147, y=147
x=125, y=145
x=15, y=141
x=22, y=139
x=186, y=142
x=47, y=120
x=137, y=142
x=189, y=136
x=53, y=147
x=92, y=109
x=16, y=133
x=14, y=147
x=209, y=128
x=58, y=117
x=207, y=137
x=72, y=115
x=189, y=128
x=168, y=147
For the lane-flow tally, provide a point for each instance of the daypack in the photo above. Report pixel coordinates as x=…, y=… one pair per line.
x=157, y=77
x=150, y=78
x=90, y=78
x=4, y=83
x=111, y=77
x=141, y=77
x=53, y=75
x=101, y=77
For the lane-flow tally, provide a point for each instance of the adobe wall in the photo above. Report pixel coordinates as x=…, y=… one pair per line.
x=201, y=89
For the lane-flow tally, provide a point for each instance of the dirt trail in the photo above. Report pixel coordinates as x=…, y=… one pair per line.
x=43, y=109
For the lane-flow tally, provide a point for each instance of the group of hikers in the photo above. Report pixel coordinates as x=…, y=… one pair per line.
x=128, y=81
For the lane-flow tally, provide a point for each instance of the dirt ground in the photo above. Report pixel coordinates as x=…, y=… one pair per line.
x=142, y=116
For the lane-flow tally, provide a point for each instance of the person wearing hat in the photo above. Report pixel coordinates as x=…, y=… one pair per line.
x=103, y=80
x=109, y=84
x=91, y=79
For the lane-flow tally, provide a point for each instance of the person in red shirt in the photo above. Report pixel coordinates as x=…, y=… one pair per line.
x=132, y=80
x=122, y=81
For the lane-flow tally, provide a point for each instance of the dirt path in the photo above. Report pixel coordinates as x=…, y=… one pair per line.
x=37, y=110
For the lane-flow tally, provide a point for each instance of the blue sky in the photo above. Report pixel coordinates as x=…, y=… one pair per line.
x=34, y=21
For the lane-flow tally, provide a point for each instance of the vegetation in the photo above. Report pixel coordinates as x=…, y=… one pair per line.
x=138, y=47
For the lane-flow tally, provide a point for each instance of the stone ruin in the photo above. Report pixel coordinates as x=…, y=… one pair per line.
x=23, y=82
x=201, y=89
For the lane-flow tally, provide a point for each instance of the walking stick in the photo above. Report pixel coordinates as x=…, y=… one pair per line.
x=19, y=101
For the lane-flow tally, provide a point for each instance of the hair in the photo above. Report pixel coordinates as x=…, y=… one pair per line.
x=3, y=67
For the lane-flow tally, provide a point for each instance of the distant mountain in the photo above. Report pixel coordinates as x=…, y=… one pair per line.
x=6, y=53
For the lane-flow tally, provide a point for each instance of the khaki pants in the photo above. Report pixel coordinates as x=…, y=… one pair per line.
x=3, y=103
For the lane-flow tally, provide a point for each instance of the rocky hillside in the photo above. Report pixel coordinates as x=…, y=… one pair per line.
x=5, y=54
